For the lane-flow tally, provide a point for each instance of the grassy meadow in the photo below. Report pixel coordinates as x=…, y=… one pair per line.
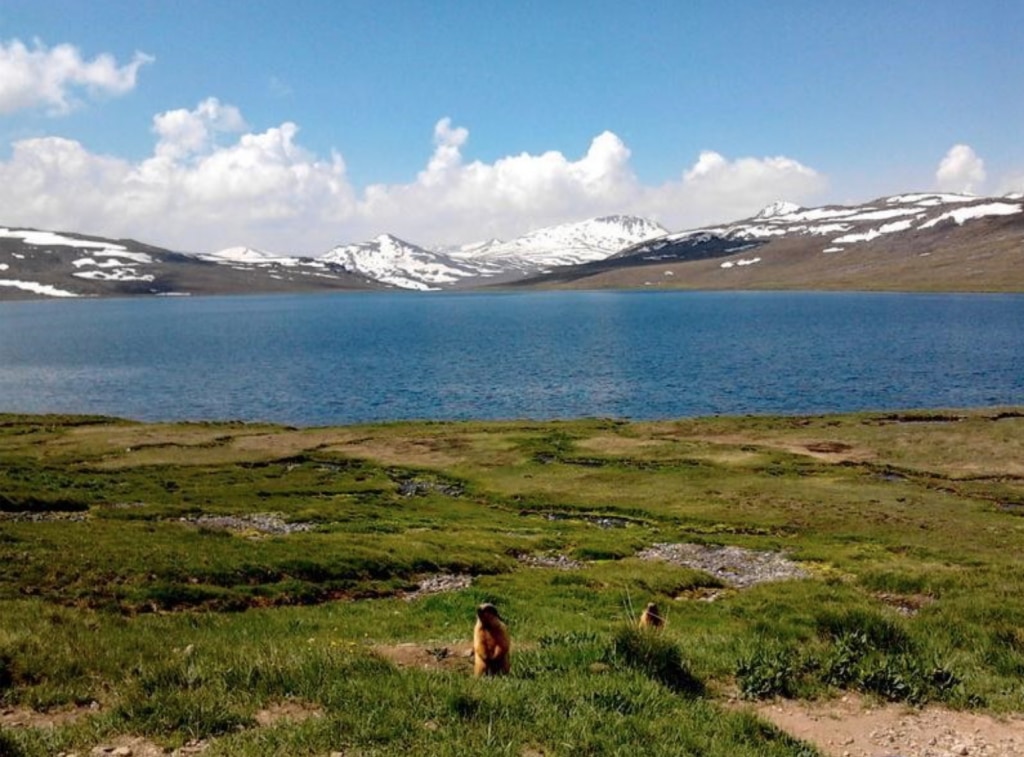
x=259, y=590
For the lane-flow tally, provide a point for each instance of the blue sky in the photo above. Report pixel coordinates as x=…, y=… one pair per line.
x=296, y=126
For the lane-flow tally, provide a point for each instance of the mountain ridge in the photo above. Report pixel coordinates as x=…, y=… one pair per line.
x=916, y=241
x=399, y=263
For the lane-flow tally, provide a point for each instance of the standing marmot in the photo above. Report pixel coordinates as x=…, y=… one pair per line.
x=651, y=618
x=490, y=642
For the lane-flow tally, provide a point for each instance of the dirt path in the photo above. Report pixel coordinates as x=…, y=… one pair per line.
x=850, y=727
x=846, y=727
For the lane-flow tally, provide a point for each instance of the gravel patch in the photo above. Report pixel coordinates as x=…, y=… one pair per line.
x=29, y=516
x=853, y=727
x=733, y=566
x=601, y=521
x=415, y=487
x=438, y=583
x=552, y=560
x=265, y=523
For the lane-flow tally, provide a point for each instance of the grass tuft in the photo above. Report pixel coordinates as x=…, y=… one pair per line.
x=655, y=655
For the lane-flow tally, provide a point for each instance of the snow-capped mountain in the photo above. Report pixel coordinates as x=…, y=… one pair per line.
x=839, y=227
x=35, y=263
x=778, y=208
x=399, y=263
x=921, y=240
x=565, y=244
x=246, y=255
x=393, y=261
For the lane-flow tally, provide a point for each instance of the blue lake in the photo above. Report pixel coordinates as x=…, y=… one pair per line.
x=343, y=358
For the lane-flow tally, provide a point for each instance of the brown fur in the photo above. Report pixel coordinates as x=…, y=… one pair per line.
x=490, y=642
x=651, y=618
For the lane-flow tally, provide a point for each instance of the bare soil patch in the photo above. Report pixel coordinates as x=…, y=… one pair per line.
x=827, y=450
x=136, y=746
x=438, y=656
x=853, y=727
x=905, y=604
x=294, y=711
x=426, y=453
x=22, y=717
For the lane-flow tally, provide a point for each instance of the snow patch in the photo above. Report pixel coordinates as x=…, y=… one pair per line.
x=882, y=215
x=866, y=236
x=118, y=274
x=824, y=214
x=32, y=286
x=741, y=262
x=111, y=263
x=52, y=239
x=930, y=199
x=829, y=228
x=896, y=226
x=960, y=215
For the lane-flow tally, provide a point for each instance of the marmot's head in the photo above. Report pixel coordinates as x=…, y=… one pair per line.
x=487, y=613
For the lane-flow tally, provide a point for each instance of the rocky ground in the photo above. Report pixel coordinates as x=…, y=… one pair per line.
x=733, y=566
x=853, y=727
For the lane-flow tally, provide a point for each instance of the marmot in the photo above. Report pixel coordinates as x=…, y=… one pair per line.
x=490, y=642
x=651, y=618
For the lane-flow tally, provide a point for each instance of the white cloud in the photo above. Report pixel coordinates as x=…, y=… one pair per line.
x=961, y=170
x=184, y=132
x=1012, y=184
x=518, y=193
x=191, y=194
x=213, y=183
x=718, y=189
x=50, y=77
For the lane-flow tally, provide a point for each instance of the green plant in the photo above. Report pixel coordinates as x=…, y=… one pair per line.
x=768, y=670
x=655, y=655
x=841, y=665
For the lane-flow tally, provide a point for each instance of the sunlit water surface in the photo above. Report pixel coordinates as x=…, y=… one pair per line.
x=343, y=358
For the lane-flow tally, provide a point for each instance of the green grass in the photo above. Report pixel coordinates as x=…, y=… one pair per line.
x=114, y=592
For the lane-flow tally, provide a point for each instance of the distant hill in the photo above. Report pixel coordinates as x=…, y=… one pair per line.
x=37, y=264
x=912, y=242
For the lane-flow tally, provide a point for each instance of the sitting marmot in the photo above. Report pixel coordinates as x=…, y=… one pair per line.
x=490, y=642
x=651, y=618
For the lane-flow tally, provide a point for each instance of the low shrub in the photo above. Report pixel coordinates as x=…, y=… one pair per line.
x=655, y=655
x=769, y=670
x=876, y=631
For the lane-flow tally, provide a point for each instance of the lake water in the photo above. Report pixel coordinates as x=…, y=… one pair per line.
x=343, y=358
